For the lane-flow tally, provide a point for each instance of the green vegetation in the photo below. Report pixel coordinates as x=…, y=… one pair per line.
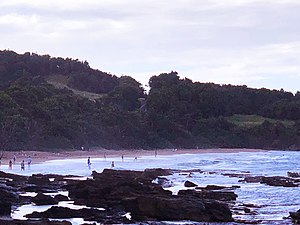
x=56, y=103
x=250, y=121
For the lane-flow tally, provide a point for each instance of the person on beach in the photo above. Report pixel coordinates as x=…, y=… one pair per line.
x=89, y=162
x=104, y=156
x=155, y=153
x=135, y=158
x=10, y=164
x=23, y=165
x=122, y=158
x=1, y=158
x=29, y=160
x=14, y=159
x=112, y=164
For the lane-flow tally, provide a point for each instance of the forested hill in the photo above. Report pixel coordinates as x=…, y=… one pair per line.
x=55, y=103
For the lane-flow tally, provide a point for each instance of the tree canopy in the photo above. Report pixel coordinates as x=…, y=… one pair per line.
x=175, y=113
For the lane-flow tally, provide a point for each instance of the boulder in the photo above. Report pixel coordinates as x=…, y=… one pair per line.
x=176, y=208
x=60, y=198
x=189, y=184
x=295, y=216
x=41, y=199
x=39, y=179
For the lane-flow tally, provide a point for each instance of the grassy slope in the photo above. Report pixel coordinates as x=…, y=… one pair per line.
x=255, y=120
x=61, y=81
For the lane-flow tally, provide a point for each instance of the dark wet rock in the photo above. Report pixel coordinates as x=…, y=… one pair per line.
x=13, y=177
x=279, y=181
x=38, y=179
x=164, y=182
x=250, y=205
x=41, y=199
x=216, y=187
x=254, y=179
x=295, y=216
x=134, y=191
x=5, y=208
x=189, y=184
x=204, y=194
x=33, y=222
x=57, y=212
x=293, y=174
x=89, y=214
x=60, y=198
x=111, y=186
x=272, y=181
x=247, y=210
x=151, y=174
x=238, y=175
x=8, y=194
x=176, y=208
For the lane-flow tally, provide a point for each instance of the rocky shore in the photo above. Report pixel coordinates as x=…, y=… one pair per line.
x=120, y=197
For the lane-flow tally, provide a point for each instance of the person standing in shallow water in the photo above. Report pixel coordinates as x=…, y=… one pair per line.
x=29, y=161
x=23, y=165
x=89, y=162
x=10, y=164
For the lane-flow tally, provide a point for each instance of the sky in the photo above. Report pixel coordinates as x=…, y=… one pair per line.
x=241, y=42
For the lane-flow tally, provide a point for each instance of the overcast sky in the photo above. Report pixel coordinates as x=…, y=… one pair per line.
x=251, y=42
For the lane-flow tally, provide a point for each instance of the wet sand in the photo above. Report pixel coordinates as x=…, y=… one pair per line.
x=42, y=156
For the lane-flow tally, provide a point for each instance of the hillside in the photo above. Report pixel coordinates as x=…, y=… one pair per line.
x=56, y=103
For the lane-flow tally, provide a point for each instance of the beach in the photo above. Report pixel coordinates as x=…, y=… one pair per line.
x=42, y=156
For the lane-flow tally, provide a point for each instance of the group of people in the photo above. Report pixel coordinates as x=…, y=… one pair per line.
x=89, y=164
x=13, y=161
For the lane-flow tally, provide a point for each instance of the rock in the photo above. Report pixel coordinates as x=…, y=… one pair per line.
x=163, y=182
x=154, y=173
x=134, y=191
x=33, y=222
x=279, y=181
x=176, y=208
x=295, y=216
x=247, y=210
x=5, y=208
x=204, y=194
x=189, y=184
x=107, y=189
x=256, y=179
x=57, y=212
x=293, y=174
x=61, y=198
x=272, y=181
x=8, y=194
x=39, y=180
x=41, y=199
x=13, y=177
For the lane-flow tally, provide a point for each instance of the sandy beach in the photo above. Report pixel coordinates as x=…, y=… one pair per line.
x=42, y=156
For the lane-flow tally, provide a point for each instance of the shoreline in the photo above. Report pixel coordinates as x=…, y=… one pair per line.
x=41, y=156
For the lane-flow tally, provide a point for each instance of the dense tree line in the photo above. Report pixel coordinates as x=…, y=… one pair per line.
x=175, y=113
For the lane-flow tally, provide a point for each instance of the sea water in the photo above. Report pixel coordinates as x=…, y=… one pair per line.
x=271, y=204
